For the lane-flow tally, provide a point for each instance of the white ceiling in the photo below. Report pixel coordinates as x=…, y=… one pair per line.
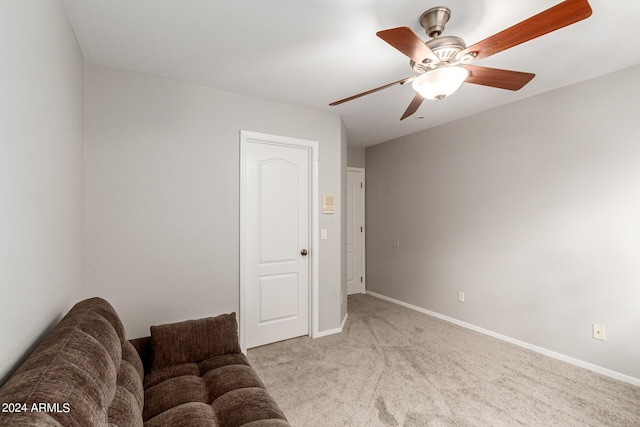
x=313, y=52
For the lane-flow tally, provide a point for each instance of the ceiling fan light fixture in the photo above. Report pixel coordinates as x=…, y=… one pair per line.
x=439, y=83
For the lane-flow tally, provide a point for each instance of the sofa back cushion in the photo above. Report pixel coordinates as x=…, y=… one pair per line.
x=194, y=340
x=84, y=373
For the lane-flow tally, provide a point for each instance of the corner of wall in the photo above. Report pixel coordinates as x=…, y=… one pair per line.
x=343, y=219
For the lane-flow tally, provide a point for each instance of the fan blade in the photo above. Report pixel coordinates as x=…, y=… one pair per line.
x=566, y=13
x=413, y=106
x=494, y=77
x=403, y=81
x=407, y=42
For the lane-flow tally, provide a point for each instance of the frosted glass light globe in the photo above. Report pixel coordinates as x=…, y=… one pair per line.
x=439, y=83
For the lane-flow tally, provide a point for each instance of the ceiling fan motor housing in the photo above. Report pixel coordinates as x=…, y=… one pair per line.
x=446, y=48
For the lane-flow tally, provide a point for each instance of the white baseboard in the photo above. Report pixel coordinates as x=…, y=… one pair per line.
x=321, y=334
x=541, y=350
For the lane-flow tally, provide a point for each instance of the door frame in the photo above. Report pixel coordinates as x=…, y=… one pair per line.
x=247, y=137
x=363, y=237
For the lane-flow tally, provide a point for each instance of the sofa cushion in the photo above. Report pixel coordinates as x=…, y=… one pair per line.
x=83, y=371
x=173, y=392
x=192, y=414
x=124, y=409
x=130, y=355
x=223, y=390
x=223, y=360
x=194, y=340
x=130, y=379
x=160, y=375
x=224, y=379
x=245, y=405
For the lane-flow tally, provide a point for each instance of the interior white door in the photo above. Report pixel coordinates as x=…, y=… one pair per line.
x=276, y=240
x=355, y=231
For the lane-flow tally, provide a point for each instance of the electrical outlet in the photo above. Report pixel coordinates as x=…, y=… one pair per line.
x=395, y=243
x=598, y=332
x=460, y=296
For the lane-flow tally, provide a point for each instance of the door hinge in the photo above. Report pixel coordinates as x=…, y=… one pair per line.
x=360, y=279
x=361, y=185
x=361, y=229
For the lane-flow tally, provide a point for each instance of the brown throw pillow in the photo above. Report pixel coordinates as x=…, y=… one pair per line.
x=194, y=340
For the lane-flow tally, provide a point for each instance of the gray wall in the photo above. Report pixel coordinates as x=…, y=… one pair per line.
x=41, y=174
x=356, y=157
x=343, y=229
x=531, y=209
x=162, y=209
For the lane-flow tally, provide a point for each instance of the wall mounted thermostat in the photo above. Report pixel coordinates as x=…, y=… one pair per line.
x=328, y=204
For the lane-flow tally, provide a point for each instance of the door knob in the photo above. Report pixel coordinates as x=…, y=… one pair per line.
x=303, y=252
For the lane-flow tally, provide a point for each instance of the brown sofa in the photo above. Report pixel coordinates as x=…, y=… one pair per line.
x=85, y=373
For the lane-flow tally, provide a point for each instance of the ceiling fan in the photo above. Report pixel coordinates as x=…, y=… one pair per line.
x=443, y=63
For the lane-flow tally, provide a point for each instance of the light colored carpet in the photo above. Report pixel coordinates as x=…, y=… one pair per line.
x=392, y=366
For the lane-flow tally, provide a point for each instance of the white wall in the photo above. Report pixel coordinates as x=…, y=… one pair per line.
x=41, y=174
x=531, y=209
x=162, y=205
